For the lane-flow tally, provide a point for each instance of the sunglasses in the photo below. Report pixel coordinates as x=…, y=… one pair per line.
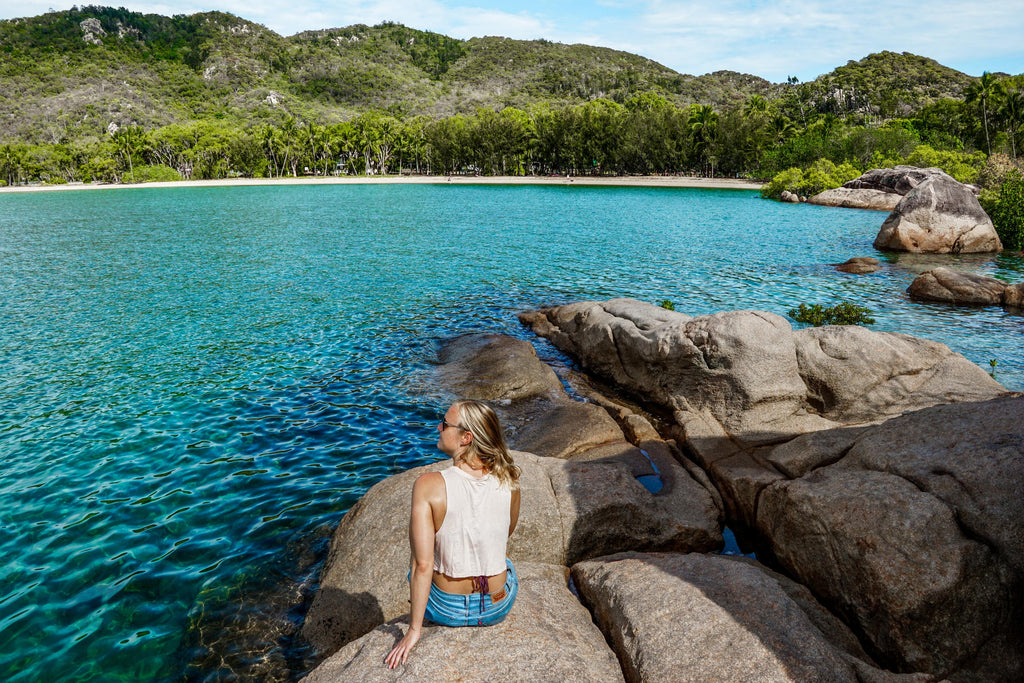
x=445, y=424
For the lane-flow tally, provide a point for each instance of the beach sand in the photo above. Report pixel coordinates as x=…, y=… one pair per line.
x=622, y=181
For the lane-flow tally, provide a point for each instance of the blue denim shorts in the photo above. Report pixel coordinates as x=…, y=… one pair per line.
x=450, y=609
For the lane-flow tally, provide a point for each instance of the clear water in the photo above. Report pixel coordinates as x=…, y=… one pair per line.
x=197, y=383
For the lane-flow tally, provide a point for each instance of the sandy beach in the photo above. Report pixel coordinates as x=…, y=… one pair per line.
x=622, y=181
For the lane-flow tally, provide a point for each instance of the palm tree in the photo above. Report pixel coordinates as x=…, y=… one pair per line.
x=703, y=123
x=781, y=127
x=1012, y=112
x=129, y=141
x=985, y=91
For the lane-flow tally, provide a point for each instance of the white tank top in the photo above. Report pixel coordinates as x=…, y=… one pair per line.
x=473, y=536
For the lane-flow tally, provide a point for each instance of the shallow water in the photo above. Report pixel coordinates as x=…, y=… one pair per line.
x=197, y=383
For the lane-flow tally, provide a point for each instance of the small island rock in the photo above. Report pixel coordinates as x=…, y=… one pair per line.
x=939, y=216
x=859, y=265
x=956, y=287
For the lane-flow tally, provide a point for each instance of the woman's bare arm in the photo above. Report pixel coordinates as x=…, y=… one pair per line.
x=426, y=493
x=514, y=511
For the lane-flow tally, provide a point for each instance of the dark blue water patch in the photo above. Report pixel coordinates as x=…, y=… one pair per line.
x=194, y=379
x=732, y=546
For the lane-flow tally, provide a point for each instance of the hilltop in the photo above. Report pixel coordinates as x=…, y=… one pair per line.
x=69, y=75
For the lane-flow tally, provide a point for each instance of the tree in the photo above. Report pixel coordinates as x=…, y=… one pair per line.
x=129, y=141
x=984, y=92
x=703, y=122
x=1012, y=113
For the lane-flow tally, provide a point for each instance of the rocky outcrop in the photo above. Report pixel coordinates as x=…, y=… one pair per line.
x=569, y=511
x=536, y=413
x=789, y=197
x=714, y=618
x=743, y=378
x=850, y=198
x=899, y=180
x=940, y=216
x=905, y=525
x=859, y=265
x=956, y=287
x=879, y=189
x=913, y=531
x=547, y=637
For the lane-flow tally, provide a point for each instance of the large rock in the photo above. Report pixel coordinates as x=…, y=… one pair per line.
x=850, y=198
x=569, y=510
x=939, y=216
x=743, y=378
x=547, y=637
x=899, y=180
x=913, y=531
x=536, y=413
x=957, y=287
x=673, y=617
x=854, y=374
x=493, y=367
x=741, y=366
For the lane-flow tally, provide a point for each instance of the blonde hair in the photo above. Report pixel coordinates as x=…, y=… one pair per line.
x=488, y=444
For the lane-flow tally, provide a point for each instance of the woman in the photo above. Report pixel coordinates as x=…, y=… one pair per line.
x=461, y=520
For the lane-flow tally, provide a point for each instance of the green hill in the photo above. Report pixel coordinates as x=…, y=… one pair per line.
x=70, y=74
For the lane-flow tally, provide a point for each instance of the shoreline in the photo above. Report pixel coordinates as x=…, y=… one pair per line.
x=618, y=181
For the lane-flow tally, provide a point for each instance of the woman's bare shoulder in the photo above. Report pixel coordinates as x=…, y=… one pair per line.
x=428, y=485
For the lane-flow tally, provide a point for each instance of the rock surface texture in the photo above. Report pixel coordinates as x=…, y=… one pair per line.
x=913, y=530
x=885, y=472
x=849, y=198
x=548, y=637
x=676, y=617
x=956, y=287
x=879, y=189
x=744, y=378
x=939, y=216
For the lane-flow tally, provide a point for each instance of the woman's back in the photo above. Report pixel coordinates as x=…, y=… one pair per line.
x=473, y=537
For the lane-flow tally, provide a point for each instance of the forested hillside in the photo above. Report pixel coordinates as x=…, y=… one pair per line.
x=101, y=94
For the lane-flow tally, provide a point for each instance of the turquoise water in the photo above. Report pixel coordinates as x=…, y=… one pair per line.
x=197, y=383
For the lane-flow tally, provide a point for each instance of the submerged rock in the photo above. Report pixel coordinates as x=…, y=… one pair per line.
x=940, y=216
x=956, y=287
x=547, y=637
x=859, y=265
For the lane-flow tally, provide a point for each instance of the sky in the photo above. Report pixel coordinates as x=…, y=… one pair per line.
x=766, y=38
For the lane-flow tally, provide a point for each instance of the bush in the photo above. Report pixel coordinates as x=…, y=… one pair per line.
x=790, y=179
x=152, y=174
x=667, y=305
x=961, y=165
x=1005, y=207
x=995, y=170
x=821, y=175
x=843, y=313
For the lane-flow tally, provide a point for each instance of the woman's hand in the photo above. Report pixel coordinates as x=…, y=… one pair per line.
x=400, y=652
